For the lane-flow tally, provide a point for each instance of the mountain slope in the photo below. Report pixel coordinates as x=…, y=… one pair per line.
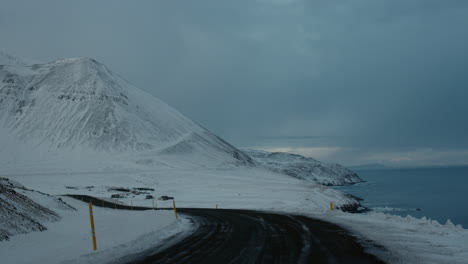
x=79, y=103
x=305, y=168
x=18, y=213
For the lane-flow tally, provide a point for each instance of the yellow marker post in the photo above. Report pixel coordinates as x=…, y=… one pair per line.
x=93, y=231
x=175, y=209
x=331, y=206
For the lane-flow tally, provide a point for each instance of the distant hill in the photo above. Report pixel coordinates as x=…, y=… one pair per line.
x=305, y=168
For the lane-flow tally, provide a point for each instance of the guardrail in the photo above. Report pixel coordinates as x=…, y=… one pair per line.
x=108, y=204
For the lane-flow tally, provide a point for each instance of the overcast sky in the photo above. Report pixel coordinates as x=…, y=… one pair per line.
x=355, y=82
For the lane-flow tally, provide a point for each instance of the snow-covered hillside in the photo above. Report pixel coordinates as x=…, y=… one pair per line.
x=18, y=213
x=305, y=168
x=78, y=104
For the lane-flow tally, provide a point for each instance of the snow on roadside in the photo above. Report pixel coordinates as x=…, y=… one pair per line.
x=406, y=239
x=119, y=233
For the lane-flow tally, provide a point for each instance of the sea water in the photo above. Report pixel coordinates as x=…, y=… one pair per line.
x=437, y=193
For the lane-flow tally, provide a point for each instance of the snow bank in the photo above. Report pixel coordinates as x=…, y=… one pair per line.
x=119, y=233
x=406, y=239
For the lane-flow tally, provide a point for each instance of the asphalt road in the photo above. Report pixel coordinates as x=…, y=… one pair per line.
x=243, y=236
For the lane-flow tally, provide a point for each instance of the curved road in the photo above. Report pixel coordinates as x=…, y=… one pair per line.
x=243, y=236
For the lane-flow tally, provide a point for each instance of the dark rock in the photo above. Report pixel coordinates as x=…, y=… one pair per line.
x=355, y=208
x=144, y=189
x=119, y=189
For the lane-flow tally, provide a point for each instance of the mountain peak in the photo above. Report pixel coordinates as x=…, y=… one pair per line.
x=79, y=103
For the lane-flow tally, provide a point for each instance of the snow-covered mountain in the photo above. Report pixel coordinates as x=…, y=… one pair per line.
x=305, y=168
x=79, y=103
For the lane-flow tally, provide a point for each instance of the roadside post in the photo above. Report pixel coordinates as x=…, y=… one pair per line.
x=93, y=231
x=331, y=206
x=175, y=209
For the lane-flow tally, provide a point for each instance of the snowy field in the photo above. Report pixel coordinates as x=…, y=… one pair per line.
x=119, y=233
x=203, y=188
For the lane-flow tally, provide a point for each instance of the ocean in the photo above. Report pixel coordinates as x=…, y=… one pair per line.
x=437, y=193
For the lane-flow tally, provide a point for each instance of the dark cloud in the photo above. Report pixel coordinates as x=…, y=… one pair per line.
x=359, y=80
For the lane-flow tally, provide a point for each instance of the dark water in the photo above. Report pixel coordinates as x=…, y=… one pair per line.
x=439, y=193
